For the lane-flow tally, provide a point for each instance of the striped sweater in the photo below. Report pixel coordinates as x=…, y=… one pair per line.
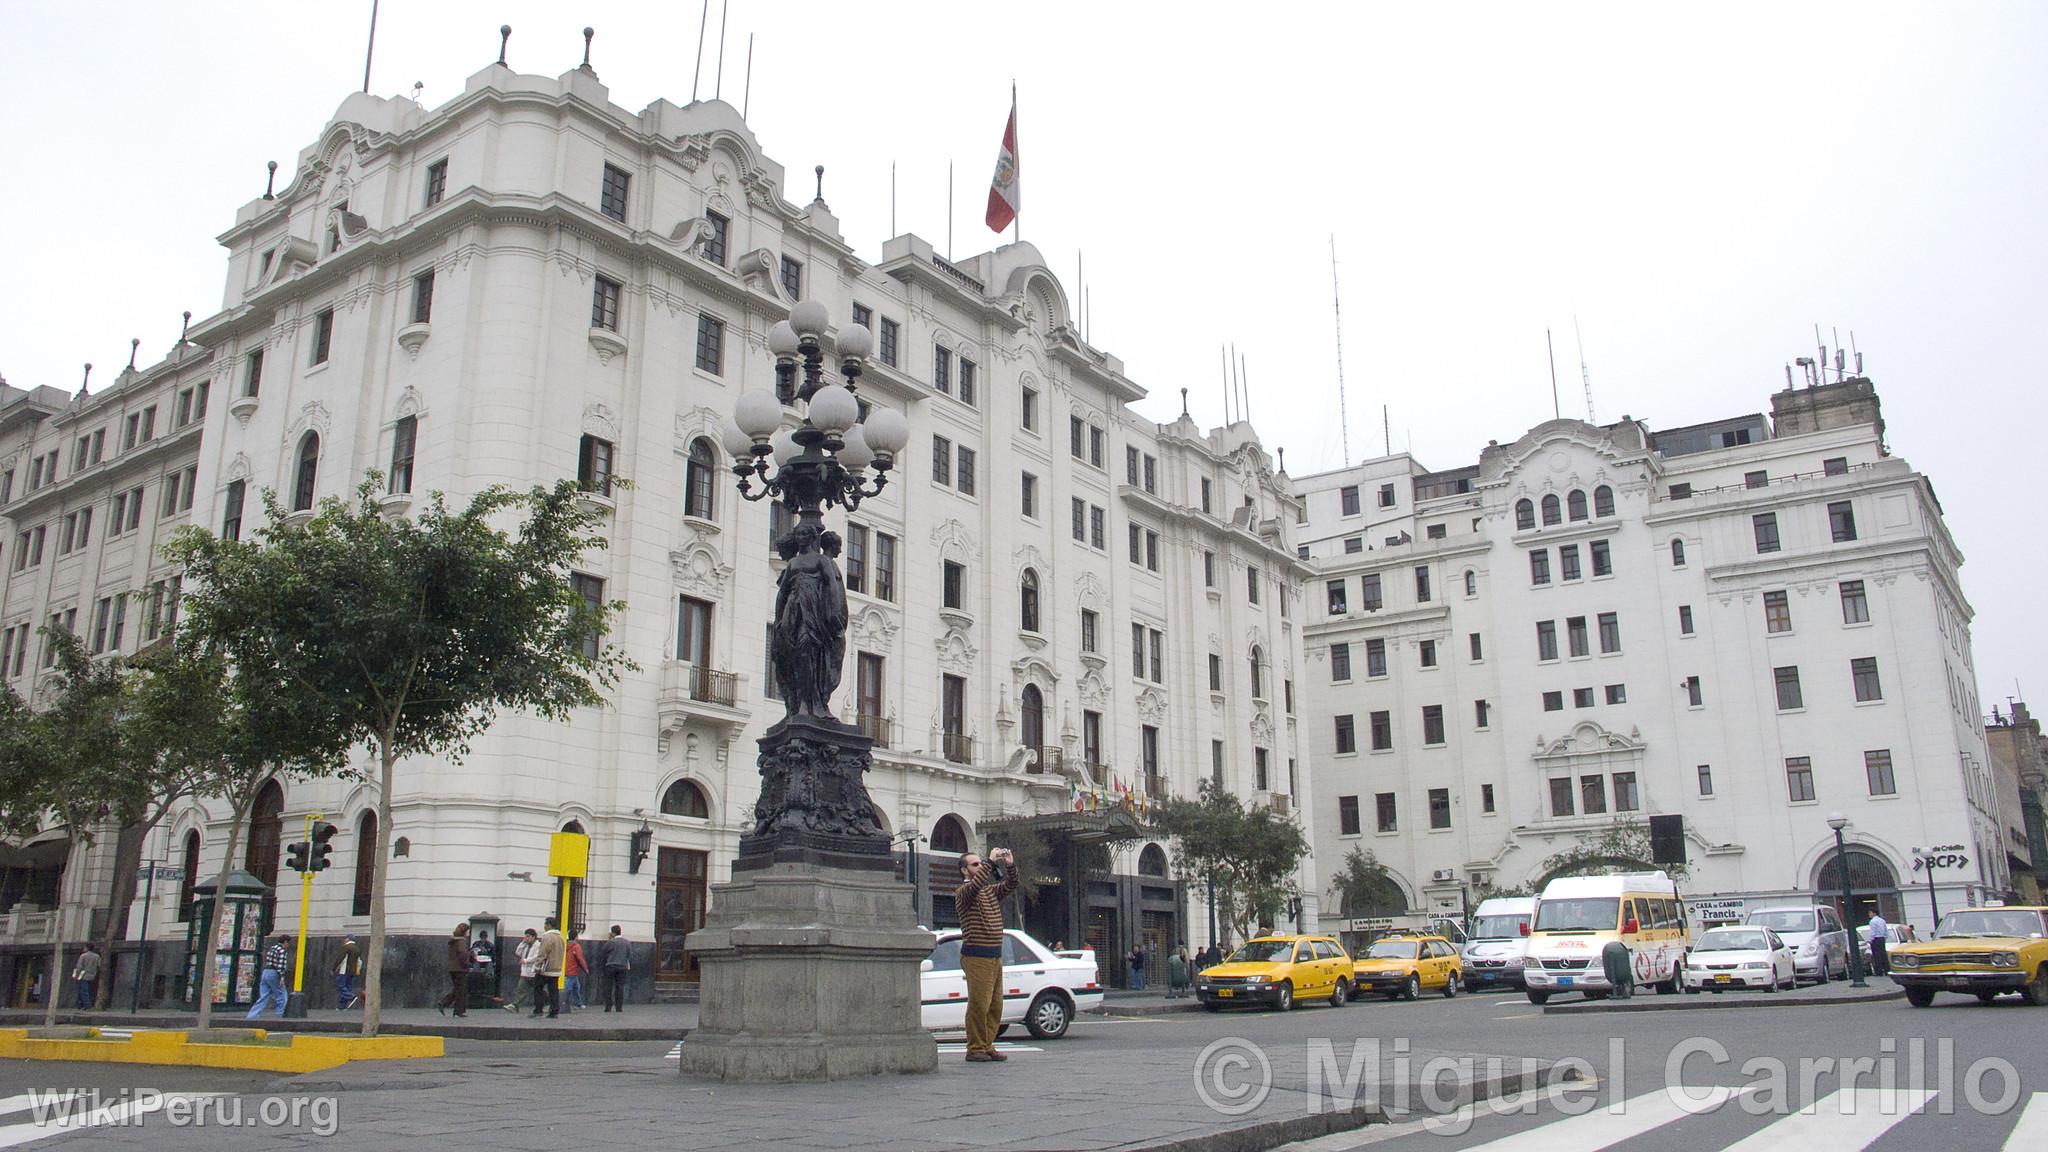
x=980, y=905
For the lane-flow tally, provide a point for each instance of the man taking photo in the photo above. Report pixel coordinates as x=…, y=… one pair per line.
x=979, y=901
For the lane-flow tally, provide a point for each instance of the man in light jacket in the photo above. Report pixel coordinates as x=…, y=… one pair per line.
x=553, y=952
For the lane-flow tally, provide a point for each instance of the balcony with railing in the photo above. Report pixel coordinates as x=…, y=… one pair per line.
x=1098, y=774
x=957, y=747
x=877, y=729
x=1049, y=759
x=1155, y=786
x=701, y=693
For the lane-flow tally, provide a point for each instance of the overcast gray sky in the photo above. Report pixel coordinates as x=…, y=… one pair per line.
x=1698, y=188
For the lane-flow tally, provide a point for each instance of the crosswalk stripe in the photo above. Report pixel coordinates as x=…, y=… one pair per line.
x=16, y=1135
x=1851, y=1119
x=2031, y=1133
x=1601, y=1128
x=13, y=1104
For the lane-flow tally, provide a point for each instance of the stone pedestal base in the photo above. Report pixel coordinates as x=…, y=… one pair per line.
x=809, y=973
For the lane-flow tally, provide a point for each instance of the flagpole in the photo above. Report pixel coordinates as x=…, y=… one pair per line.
x=949, y=211
x=371, y=50
x=1017, y=161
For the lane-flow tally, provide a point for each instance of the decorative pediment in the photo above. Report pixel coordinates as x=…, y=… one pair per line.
x=954, y=542
x=1262, y=727
x=410, y=403
x=1033, y=669
x=237, y=469
x=873, y=629
x=1588, y=739
x=699, y=421
x=599, y=421
x=697, y=570
x=1093, y=692
x=1030, y=557
x=312, y=418
x=956, y=653
x=1151, y=705
x=1088, y=590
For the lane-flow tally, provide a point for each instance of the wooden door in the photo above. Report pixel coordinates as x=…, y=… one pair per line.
x=678, y=911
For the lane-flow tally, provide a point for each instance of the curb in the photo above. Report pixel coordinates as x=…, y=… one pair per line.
x=453, y=1029
x=1704, y=1002
x=1111, y=1008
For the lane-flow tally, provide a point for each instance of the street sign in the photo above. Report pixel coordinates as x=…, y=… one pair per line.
x=569, y=855
x=163, y=872
x=1941, y=860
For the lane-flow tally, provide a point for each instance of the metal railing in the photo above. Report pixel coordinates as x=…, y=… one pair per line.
x=1155, y=787
x=957, y=747
x=710, y=686
x=1050, y=757
x=876, y=728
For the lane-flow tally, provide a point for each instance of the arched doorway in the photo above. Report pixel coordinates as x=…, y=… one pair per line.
x=1152, y=861
x=575, y=890
x=1032, y=714
x=266, y=844
x=1873, y=886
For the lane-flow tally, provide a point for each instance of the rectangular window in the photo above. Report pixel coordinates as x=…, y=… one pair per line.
x=1348, y=498
x=1091, y=737
x=404, y=436
x=1388, y=817
x=714, y=244
x=864, y=316
x=710, y=345
x=953, y=717
x=1207, y=490
x=1334, y=590
x=1486, y=798
x=1076, y=432
x=1561, y=803
x=1439, y=807
x=1610, y=632
x=964, y=474
x=1472, y=639
x=1370, y=586
x=1135, y=542
x=1347, y=736
x=1251, y=585
x=1842, y=521
x=1079, y=509
x=1626, y=797
x=1787, y=680
x=170, y=497
x=1158, y=641
x=1863, y=671
x=1353, y=545
x=1592, y=795
x=1382, y=725
x=1539, y=566
x=1603, y=559
x=1553, y=701
x=1433, y=724
x=1097, y=532
x=1755, y=479
x=1567, y=564
x=1215, y=672
x=1685, y=619
x=1260, y=773
x=323, y=339
x=1422, y=593
x=1027, y=409
x=1582, y=697
x=423, y=297
x=1695, y=695
x=1617, y=693
x=1777, y=612
x=612, y=196
x=1386, y=495
x=1706, y=775
x=604, y=304
x=1375, y=657
x=967, y=382
x=252, y=373
x=942, y=461
x=885, y=341
x=793, y=277
x=1088, y=627
x=1575, y=631
x=856, y=558
x=1131, y=466
x=1137, y=650
x=1208, y=569
x=885, y=566
x=1482, y=714
x=1436, y=532
x=1546, y=639
x=101, y=613
x=1027, y=495
x=953, y=584
x=592, y=590
x=869, y=691
x=1347, y=815
x=1877, y=769
x=1855, y=608
x=1799, y=778
x=942, y=370
x=437, y=182
x=1340, y=662
x=594, y=466
x=1765, y=525
x=1428, y=651
x=1152, y=550
x=1151, y=473
x=148, y=434
x=1835, y=466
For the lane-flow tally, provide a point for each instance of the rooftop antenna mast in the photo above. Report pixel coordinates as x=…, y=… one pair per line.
x=1224, y=351
x=697, y=76
x=1854, y=354
x=370, y=50
x=1583, y=374
x=747, y=91
x=718, y=85
x=1556, y=413
x=1387, y=429
x=1337, y=312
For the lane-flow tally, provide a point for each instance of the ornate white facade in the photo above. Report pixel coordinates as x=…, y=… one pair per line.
x=1612, y=608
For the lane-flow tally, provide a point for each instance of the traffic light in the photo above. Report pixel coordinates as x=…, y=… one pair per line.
x=295, y=855
x=323, y=832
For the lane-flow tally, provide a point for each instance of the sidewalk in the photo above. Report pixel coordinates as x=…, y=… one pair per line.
x=637, y=1022
x=1805, y=996
x=1150, y=1002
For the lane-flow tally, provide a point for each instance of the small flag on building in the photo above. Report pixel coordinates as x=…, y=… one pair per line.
x=1005, y=196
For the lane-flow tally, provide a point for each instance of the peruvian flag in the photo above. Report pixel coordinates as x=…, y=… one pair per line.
x=1005, y=196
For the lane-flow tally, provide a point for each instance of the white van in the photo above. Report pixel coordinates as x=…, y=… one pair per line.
x=1577, y=916
x=1499, y=942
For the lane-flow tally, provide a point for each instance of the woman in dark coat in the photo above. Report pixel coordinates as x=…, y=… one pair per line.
x=458, y=972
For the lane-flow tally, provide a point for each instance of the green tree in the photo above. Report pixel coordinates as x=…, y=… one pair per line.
x=407, y=636
x=1250, y=853
x=1364, y=888
x=1623, y=846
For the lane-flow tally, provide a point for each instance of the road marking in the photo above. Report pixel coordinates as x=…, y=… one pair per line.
x=16, y=1135
x=1457, y=1122
x=2031, y=1133
x=13, y=1104
x=1852, y=1119
x=1604, y=1129
x=1522, y=1016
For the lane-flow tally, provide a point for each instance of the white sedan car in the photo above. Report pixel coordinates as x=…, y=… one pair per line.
x=1041, y=989
x=1735, y=956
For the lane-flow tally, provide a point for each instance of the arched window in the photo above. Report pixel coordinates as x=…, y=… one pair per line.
x=191, y=875
x=1032, y=712
x=1027, y=592
x=1575, y=504
x=572, y=888
x=949, y=835
x=366, y=862
x=1471, y=582
x=1603, y=501
x=266, y=833
x=700, y=474
x=308, y=473
x=1152, y=861
x=1258, y=673
x=1677, y=552
x=1873, y=886
x=1525, y=514
x=684, y=798
x=1552, y=512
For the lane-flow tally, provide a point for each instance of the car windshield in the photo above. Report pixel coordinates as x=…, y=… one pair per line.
x=1793, y=920
x=1719, y=941
x=1993, y=922
x=1500, y=927
x=1264, y=952
x=1392, y=950
x=1588, y=914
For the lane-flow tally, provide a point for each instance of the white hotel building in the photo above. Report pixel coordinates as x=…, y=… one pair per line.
x=530, y=283
x=1751, y=624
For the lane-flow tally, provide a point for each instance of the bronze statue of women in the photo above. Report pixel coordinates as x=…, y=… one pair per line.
x=809, y=642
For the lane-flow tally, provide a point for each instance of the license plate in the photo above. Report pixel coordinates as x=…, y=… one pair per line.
x=1225, y=993
x=1723, y=979
x=1958, y=982
x=1564, y=981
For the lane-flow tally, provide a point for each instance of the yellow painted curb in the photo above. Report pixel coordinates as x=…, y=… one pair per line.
x=300, y=1052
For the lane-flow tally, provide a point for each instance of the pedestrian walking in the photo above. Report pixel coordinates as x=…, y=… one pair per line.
x=1137, y=962
x=528, y=951
x=618, y=962
x=87, y=974
x=1880, y=938
x=553, y=954
x=978, y=901
x=578, y=968
x=346, y=972
x=458, y=972
x=1177, y=973
x=277, y=963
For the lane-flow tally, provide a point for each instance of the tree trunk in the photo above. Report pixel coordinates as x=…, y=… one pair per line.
x=373, y=970
x=54, y=979
x=210, y=929
x=127, y=858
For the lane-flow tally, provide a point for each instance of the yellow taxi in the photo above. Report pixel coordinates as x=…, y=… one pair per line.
x=1276, y=971
x=1981, y=951
x=1402, y=964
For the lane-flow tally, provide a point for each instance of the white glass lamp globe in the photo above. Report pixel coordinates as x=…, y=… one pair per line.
x=833, y=410
x=782, y=340
x=855, y=342
x=738, y=444
x=886, y=431
x=810, y=318
x=758, y=413
x=854, y=454
x=785, y=446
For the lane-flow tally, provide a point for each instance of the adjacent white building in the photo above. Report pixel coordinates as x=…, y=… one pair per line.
x=1052, y=597
x=1752, y=624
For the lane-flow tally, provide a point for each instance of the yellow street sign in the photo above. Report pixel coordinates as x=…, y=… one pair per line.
x=569, y=855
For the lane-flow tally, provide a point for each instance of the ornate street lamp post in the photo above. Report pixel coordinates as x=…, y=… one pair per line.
x=809, y=956
x=1837, y=821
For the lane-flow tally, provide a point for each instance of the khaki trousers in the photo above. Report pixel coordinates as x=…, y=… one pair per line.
x=984, y=1000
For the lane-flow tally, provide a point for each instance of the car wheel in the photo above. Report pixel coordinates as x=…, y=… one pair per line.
x=2035, y=991
x=1821, y=974
x=1211, y=1006
x=1471, y=987
x=1919, y=997
x=1692, y=989
x=1049, y=1016
x=1341, y=994
x=1451, y=986
x=1413, y=988
x=1285, y=1002
x=1536, y=997
x=1773, y=986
